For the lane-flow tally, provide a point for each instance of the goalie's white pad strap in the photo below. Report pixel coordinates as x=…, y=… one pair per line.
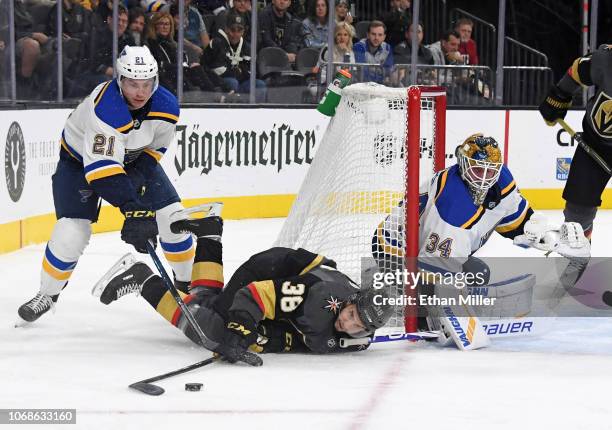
x=457, y=321
x=467, y=332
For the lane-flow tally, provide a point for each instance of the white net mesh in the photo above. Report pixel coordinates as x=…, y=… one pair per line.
x=358, y=177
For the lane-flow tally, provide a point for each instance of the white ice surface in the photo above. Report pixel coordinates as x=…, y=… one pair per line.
x=86, y=354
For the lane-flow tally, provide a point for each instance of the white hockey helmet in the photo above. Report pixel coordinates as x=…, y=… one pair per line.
x=480, y=163
x=137, y=62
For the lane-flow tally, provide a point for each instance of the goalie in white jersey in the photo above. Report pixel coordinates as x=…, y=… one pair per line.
x=459, y=210
x=461, y=206
x=110, y=148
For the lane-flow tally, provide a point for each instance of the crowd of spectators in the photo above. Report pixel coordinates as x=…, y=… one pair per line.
x=217, y=44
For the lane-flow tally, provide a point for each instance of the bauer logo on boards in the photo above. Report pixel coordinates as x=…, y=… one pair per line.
x=15, y=161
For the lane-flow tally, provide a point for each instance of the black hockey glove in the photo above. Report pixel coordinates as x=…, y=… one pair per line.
x=139, y=226
x=241, y=331
x=555, y=105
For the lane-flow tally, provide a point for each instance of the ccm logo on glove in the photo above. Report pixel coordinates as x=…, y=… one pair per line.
x=139, y=214
x=239, y=328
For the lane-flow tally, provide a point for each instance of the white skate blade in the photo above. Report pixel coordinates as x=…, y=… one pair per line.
x=206, y=209
x=21, y=323
x=123, y=264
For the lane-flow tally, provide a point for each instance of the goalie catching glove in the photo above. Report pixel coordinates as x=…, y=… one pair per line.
x=568, y=240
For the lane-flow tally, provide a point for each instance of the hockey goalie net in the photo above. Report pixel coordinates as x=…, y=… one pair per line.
x=381, y=144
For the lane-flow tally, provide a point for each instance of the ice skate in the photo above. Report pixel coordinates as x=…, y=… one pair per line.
x=127, y=276
x=210, y=226
x=33, y=309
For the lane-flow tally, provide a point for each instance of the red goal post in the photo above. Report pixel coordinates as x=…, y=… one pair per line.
x=416, y=96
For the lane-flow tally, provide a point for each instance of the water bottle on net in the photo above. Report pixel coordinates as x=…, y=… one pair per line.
x=331, y=98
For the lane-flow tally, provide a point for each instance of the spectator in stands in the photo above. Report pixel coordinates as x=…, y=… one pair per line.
x=403, y=51
x=152, y=6
x=343, y=48
x=229, y=56
x=403, y=55
x=277, y=28
x=90, y=5
x=467, y=45
x=211, y=7
x=75, y=30
x=101, y=12
x=316, y=24
x=160, y=41
x=194, y=52
x=374, y=50
x=136, y=25
x=102, y=55
x=194, y=28
x=446, y=50
x=240, y=7
x=397, y=20
x=343, y=13
x=299, y=9
x=29, y=45
x=75, y=21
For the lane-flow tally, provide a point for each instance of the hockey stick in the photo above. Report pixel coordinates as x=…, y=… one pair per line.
x=391, y=337
x=590, y=151
x=145, y=386
x=244, y=356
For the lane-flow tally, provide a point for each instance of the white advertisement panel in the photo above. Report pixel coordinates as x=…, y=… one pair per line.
x=29, y=144
x=540, y=155
x=243, y=152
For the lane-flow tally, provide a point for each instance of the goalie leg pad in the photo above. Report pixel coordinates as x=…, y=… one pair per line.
x=69, y=238
x=513, y=297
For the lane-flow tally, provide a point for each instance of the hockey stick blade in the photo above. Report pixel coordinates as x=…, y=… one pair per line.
x=150, y=389
x=146, y=386
x=250, y=359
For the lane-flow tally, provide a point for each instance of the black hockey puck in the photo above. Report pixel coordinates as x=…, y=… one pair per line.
x=607, y=298
x=193, y=386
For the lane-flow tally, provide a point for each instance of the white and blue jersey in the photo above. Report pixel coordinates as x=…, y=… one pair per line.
x=104, y=136
x=452, y=227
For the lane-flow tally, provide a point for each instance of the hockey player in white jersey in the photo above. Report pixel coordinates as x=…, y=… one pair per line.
x=459, y=210
x=110, y=148
x=461, y=206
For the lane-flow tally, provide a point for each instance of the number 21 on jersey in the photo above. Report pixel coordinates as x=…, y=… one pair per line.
x=100, y=145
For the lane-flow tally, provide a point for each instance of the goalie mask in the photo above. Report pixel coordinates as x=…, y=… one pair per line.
x=480, y=163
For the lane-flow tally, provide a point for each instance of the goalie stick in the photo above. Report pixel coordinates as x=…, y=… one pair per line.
x=244, y=356
x=501, y=328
